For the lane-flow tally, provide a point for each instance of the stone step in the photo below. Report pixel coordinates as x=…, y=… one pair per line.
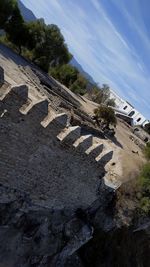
x=70, y=134
x=38, y=111
x=4, y=90
x=84, y=142
x=16, y=97
x=95, y=150
x=26, y=107
x=106, y=157
x=61, y=119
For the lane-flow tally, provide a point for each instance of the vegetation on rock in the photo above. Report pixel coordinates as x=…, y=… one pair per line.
x=144, y=182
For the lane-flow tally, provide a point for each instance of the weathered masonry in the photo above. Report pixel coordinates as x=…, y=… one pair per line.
x=45, y=156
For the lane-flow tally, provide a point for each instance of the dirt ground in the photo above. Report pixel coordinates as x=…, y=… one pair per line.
x=131, y=162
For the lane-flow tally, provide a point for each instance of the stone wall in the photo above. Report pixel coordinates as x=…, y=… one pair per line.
x=33, y=159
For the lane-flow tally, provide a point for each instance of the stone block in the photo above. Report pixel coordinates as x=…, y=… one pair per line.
x=106, y=158
x=95, y=150
x=84, y=142
x=70, y=134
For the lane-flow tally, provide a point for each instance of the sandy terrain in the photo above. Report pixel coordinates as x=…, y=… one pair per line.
x=130, y=162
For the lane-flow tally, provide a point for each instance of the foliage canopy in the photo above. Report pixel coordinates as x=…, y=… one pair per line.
x=47, y=45
x=66, y=74
x=7, y=8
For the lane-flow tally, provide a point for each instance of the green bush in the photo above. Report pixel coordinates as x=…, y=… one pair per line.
x=66, y=74
x=144, y=178
x=144, y=182
x=101, y=95
x=145, y=204
x=147, y=151
x=106, y=114
x=79, y=86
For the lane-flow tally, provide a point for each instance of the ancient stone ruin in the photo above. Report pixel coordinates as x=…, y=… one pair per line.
x=43, y=154
x=51, y=180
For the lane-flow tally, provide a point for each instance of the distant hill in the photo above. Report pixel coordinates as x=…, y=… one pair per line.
x=75, y=63
x=26, y=13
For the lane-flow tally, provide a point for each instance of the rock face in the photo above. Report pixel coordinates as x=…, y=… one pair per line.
x=120, y=247
x=32, y=235
x=35, y=236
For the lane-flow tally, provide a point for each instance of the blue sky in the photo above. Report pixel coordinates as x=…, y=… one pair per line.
x=109, y=38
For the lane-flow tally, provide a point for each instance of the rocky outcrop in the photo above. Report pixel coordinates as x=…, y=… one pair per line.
x=34, y=235
x=121, y=247
x=31, y=235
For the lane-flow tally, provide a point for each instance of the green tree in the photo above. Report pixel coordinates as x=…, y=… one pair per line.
x=105, y=93
x=66, y=74
x=6, y=9
x=106, y=114
x=101, y=95
x=145, y=204
x=16, y=30
x=70, y=76
x=79, y=86
x=94, y=93
x=47, y=45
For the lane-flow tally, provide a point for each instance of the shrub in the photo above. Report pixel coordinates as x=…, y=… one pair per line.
x=106, y=114
x=144, y=178
x=147, y=151
x=144, y=182
x=145, y=204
